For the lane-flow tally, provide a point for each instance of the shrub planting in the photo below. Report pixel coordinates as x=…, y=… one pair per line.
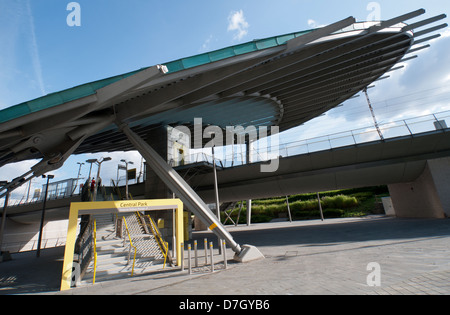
x=335, y=204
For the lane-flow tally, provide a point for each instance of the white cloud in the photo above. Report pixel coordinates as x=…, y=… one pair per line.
x=238, y=24
x=206, y=44
x=314, y=24
x=446, y=33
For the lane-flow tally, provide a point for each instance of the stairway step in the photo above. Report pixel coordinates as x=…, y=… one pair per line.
x=108, y=258
x=105, y=242
x=106, y=272
x=111, y=251
x=111, y=275
x=106, y=261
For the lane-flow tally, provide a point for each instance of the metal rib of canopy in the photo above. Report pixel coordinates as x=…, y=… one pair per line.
x=284, y=80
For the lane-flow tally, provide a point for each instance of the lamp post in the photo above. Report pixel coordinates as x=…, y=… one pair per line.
x=38, y=254
x=78, y=176
x=91, y=161
x=126, y=181
x=99, y=163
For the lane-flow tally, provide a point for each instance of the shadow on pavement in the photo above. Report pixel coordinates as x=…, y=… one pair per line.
x=26, y=274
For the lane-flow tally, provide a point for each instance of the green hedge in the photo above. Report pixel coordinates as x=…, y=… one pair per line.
x=335, y=204
x=332, y=207
x=356, y=192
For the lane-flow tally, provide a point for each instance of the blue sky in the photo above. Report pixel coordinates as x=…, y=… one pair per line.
x=41, y=54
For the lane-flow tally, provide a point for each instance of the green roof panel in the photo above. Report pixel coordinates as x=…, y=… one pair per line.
x=222, y=54
x=196, y=61
x=245, y=48
x=266, y=43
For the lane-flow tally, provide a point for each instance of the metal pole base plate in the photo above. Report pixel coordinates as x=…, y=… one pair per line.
x=248, y=253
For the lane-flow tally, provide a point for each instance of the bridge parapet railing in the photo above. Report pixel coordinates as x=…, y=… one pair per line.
x=406, y=127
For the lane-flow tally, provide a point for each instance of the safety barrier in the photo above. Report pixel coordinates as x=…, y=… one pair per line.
x=131, y=246
x=208, y=266
x=406, y=127
x=83, y=248
x=95, y=251
x=163, y=246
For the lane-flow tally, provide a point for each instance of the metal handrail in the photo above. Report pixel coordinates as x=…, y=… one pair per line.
x=131, y=245
x=95, y=251
x=406, y=124
x=18, y=247
x=164, y=249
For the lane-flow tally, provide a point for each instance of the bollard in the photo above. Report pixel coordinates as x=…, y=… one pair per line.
x=189, y=259
x=212, y=257
x=174, y=247
x=182, y=256
x=206, y=251
x=224, y=251
x=195, y=254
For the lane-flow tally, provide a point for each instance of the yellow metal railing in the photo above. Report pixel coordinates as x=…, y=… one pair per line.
x=131, y=245
x=95, y=250
x=159, y=240
x=164, y=249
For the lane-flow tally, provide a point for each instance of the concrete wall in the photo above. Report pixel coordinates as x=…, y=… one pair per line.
x=426, y=197
x=24, y=237
x=440, y=169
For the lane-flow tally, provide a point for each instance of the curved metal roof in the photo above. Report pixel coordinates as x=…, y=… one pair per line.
x=283, y=80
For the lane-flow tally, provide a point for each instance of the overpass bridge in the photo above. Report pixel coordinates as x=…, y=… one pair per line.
x=350, y=159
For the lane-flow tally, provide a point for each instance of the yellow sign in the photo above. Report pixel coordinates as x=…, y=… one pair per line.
x=124, y=206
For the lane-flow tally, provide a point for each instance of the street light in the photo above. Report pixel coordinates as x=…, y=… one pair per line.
x=99, y=163
x=78, y=176
x=91, y=161
x=38, y=254
x=126, y=182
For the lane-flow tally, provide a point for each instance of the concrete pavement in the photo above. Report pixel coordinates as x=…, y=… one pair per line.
x=337, y=256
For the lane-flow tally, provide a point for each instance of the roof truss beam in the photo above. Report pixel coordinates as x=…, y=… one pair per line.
x=366, y=65
x=334, y=68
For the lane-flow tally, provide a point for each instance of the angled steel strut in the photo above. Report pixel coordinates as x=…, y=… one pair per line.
x=179, y=186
